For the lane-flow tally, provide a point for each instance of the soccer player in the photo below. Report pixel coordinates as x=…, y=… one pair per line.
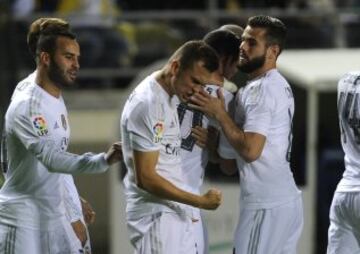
x=194, y=124
x=78, y=210
x=157, y=217
x=344, y=230
x=32, y=215
x=271, y=214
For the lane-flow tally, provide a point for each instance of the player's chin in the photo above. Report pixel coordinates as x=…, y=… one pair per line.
x=71, y=79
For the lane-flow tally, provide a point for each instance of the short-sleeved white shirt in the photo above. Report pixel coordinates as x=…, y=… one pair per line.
x=149, y=122
x=349, y=116
x=37, y=135
x=266, y=106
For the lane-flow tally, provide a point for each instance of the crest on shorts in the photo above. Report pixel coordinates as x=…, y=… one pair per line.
x=63, y=122
x=158, y=130
x=40, y=125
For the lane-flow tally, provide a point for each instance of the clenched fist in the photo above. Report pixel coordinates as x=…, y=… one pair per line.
x=211, y=199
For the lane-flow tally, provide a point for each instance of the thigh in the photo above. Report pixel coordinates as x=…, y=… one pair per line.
x=63, y=240
x=199, y=236
x=247, y=230
x=15, y=240
x=269, y=231
x=167, y=233
x=341, y=240
x=294, y=227
x=343, y=234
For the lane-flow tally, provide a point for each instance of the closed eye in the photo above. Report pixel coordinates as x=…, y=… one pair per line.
x=197, y=81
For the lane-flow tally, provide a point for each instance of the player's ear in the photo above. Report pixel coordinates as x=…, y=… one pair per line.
x=44, y=58
x=273, y=51
x=174, y=67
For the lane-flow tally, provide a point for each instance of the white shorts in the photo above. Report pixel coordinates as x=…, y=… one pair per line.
x=344, y=230
x=162, y=233
x=201, y=236
x=20, y=240
x=269, y=231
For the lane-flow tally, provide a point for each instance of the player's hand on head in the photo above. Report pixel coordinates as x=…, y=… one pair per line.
x=211, y=199
x=201, y=136
x=114, y=154
x=208, y=104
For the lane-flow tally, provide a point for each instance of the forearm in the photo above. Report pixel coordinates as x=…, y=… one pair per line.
x=56, y=160
x=234, y=134
x=162, y=188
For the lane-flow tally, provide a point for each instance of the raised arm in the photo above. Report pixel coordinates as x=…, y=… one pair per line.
x=248, y=145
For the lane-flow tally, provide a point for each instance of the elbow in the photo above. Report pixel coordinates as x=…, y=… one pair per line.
x=228, y=171
x=251, y=156
x=228, y=167
x=249, y=159
x=144, y=184
x=140, y=184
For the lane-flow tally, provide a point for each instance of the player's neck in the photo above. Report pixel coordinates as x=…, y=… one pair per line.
x=164, y=80
x=42, y=80
x=261, y=71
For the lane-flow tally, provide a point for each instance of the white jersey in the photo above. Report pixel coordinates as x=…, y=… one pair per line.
x=194, y=158
x=266, y=106
x=37, y=135
x=349, y=116
x=149, y=122
x=71, y=196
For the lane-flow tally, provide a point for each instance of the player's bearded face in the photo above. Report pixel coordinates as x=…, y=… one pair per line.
x=251, y=65
x=57, y=74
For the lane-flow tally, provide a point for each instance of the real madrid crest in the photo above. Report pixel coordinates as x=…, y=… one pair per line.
x=63, y=122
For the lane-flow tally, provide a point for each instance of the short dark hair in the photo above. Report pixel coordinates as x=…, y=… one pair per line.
x=39, y=24
x=236, y=29
x=225, y=43
x=48, y=34
x=275, y=29
x=194, y=51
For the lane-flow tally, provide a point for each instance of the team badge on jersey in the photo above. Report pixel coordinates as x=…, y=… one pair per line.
x=40, y=125
x=158, y=130
x=63, y=122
